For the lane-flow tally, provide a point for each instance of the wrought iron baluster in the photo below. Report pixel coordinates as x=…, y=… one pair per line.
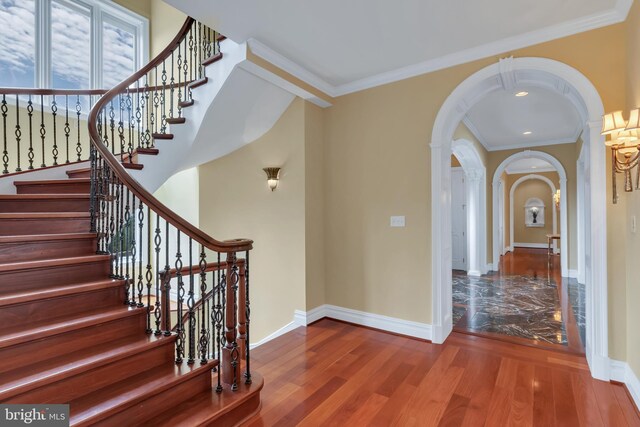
x=180, y=342
x=141, y=255
x=191, y=304
x=163, y=98
x=149, y=274
x=18, y=132
x=78, y=113
x=30, y=154
x=43, y=130
x=204, y=333
x=67, y=127
x=124, y=241
x=179, y=72
x=93, y=198
x=121, y=127
x=185, y=68
x=131, y=231
x=167, y=284
x=191, y=53
x=247, y=373
x=158, y=309
x=5, y=152
x=138, y=116
x=54, y=113
x=156, y=103
x=131, y=127
x=218, y=310
x=145, y=112
x=171, y=87
x=112, y=126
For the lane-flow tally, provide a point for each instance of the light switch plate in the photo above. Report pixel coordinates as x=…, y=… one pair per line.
x=397, y=221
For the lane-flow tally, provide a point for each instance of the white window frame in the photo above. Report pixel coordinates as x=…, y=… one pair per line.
x=100, y=11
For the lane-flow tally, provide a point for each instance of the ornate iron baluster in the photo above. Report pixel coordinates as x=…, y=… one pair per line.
x=149, y=274
x=43, y=130
x=138, y=116
x=158, y=309
x=124, y=241
x=180, y=315
x=67, y=127
x=167, y=284
x=171, y=87
x=121, y=127
x=163, y=99
x=133, y=250
x=218, y=313
x=54, y=113
x=191, y=304
x=247, y=374
x=5, y=152
x=112, y=126
x=179, y=65
x=30, y=154
x=141, y=230
x=204, y=333
x=18, y=132
x=93, y=193
x=78, y=112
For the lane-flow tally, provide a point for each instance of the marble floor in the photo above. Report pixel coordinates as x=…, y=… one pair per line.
x=522, y=301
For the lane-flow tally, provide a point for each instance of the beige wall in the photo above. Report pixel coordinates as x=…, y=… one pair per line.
x=632, y=296
x=141, y=7
x=236, y=202
x=524, y=191
x=377, y=149
x=166, y=21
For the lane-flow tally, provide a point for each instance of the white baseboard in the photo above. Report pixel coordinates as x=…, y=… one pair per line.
x=299, y=319
x=622, y=372
x=377, y=321
x=531, y=245
x=573, y=274
x=474, y=273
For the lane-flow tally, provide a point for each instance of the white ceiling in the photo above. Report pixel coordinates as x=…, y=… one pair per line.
x=342, y=46
x=500, y=119
x=530, y=165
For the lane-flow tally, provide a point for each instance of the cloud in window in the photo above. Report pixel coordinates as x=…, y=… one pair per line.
x=71, y=46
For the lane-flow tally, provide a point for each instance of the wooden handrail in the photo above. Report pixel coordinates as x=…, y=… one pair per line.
x=132, y=184
x=34, y=91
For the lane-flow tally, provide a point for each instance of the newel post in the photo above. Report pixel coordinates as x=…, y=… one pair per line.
x=230, y=353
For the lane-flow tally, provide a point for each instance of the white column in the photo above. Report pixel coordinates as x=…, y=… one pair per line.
x=474, y=250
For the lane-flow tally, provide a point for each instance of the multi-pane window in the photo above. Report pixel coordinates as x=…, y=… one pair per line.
x=69, y=44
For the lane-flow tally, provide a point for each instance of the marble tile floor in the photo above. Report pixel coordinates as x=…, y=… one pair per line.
x=516, y=305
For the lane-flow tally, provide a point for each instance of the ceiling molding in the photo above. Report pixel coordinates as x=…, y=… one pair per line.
x=533, y=144
x=586, y=23
x=474, y=130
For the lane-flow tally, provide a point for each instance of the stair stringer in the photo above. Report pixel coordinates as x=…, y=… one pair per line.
x=232, y=109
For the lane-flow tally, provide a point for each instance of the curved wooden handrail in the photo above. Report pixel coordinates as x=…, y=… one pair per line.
x=34, y=91
x=132, y=184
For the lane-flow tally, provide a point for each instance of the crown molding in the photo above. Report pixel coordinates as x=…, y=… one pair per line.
x=585, y=23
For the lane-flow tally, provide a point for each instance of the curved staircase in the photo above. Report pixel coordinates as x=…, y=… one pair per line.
x=91, y=316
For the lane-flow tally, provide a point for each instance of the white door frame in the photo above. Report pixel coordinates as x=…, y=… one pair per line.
x=552, y=186
x=508, y=74
x=465, y=232
x=476, y=186
x=580, y=217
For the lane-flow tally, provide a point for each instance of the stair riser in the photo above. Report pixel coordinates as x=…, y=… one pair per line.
x=45, y=205
x=13, y=281
x=86, y=382
x=22, y=315
x=28, y=226
x=34, y=251
x=79, y=174
x=38, y=351
x=55, y=188
x=143, y=411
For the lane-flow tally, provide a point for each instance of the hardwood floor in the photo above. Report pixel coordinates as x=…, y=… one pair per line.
x=527, y=298
x=336, y=374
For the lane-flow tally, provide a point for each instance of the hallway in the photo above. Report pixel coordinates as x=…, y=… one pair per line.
x=526, y=302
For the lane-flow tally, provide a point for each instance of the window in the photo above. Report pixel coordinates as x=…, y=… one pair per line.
x=69, y=44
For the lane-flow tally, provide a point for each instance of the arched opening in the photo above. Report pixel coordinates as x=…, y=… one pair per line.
x=552, y=75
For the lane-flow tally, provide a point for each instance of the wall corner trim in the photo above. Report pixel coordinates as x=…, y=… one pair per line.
x=622, y=372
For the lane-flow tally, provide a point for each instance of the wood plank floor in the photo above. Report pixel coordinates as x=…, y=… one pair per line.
x=337, y=374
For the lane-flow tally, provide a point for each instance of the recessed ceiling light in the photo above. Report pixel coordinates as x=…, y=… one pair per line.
x=523, y=93
x=527, y=132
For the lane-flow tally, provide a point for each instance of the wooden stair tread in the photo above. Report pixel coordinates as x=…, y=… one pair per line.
x=43, y=215
x=176, y=120
x=54, y=181
x=162, y=135
x=24, y=379
x=184, y=104
x=146, y=151
x=208, y=406
x=46, y=237
x=135, y=166
x=196, y=83
x=56, y=262
x=60, y=325
x=57, y=291
x=210, y=60
x=76, y=171
x=122, y=395
x=43, y=196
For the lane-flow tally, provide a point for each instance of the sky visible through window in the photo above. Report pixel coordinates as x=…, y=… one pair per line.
x=17, y=44
x=70, y=47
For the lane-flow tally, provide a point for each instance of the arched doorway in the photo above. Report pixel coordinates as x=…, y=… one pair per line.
x=553, y=75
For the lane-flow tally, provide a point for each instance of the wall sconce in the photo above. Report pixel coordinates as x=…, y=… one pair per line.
x=273, y=176
x=625, y=148
x=556, y=198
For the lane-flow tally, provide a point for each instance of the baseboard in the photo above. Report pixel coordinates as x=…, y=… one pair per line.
x=573, y=274
x=299, y=319
x=377, y=321
x=622, y=372
x=531, y=245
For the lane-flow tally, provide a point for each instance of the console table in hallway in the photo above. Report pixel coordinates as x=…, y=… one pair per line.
x=550, y=239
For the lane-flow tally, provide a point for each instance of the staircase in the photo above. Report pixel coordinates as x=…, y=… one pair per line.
x=110, y=301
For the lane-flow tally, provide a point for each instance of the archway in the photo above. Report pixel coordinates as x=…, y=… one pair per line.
x=475, y=173
x=552, y=75
x=564, y=259
x=512, y=191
